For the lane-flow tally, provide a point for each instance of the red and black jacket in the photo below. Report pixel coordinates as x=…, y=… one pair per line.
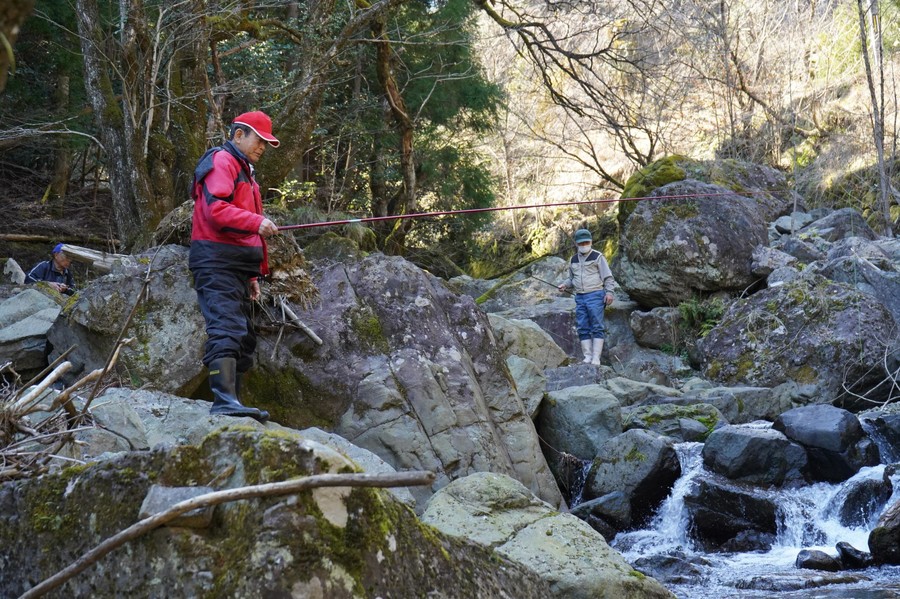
x=227, y=214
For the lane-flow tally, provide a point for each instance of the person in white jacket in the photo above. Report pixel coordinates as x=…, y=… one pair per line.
x=592, y=281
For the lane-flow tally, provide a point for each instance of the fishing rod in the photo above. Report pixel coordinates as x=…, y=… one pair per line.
x=551, y=284
x=374, y=219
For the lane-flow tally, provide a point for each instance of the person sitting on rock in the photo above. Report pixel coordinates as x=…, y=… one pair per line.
x=55, y=271
x=592, y=280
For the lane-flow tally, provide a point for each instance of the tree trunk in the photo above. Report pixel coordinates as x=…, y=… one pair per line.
x=62, y=164
x=884, y=182
x=12, y=14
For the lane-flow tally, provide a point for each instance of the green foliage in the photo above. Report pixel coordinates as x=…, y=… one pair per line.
x=701, y=316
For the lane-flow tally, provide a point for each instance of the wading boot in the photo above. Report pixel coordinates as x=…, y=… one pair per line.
x=223, y=383
x=238, y=382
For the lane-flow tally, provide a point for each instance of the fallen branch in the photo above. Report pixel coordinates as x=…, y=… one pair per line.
x=296, y=320
x=399, y=479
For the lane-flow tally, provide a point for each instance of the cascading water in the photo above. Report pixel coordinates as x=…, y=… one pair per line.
x=808, y=518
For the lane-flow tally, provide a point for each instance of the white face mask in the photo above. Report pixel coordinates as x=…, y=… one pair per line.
x=584, y=249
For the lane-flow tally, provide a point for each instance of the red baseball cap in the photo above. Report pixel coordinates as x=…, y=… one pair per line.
x=260, y=123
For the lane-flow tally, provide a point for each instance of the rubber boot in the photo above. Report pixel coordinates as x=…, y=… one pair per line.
x=596, y=350
x=586, y=350
x=222, y=382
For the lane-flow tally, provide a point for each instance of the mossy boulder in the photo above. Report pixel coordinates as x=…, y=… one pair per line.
x=685, y=423
x=318, y=543
x=693, y=226
x=810, y=331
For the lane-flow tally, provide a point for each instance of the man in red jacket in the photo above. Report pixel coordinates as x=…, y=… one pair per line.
x=228, y=254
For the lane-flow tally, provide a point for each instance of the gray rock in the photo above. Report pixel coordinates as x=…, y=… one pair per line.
x=657, y=328
x=852, y=558
x=13, y=273
x=755, y=455
x=682, y=423
x=614, y=508
x=568, y=554
x=253, y=548
x=530, y=382
x=860, y=501
x=884, y=539
x=168, y=329
x=846, y=222
x=25, y=319
x=834, y=440
x=793, y=222
x=743, y=404
x=524, y=287
x=863, y=265
x=579, y=420
x=767, y=260
x=640, y=464
x=782, y=275
x=803, y=251
x=466, y=285
x=814, y=559
x=630, y=392
x=884, y=427
x=408, y=370
x=526, y=339
x=669, y=252
x=577, y=375
x=810, y=331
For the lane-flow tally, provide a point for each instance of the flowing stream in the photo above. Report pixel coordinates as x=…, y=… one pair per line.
x=807, y=519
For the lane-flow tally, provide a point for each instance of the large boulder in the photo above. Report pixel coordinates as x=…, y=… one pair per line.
x=25, y=319
x=324, y=542
x=639, y=463
x=672, y=250
x=526, y=339
x=409, y=370
x=743, y=404
x=682, y=423
x=846, y=222
x=722, y=514
x=573, y=559
x=834, y=440
x=759, y=456
x=810, y=331
x=532, y=284
x=167, y=329
x=579, y=420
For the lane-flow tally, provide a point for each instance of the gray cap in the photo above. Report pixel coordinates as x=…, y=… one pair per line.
x=582, y=235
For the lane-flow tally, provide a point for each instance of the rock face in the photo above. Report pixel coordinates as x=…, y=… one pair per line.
x=569, y=555
x=673, y=250
x=578, y=420
x=409, y=370
x=810, y=331
x=167, y=328
x=884, y=540
x=25, y=319
x=723, y=515
x=319, y=543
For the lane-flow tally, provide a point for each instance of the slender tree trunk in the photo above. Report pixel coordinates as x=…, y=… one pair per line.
x=62, y=167
x=884, y=182
x=405, y=200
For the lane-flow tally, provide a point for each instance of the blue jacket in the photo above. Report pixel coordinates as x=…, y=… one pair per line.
x=44, y=271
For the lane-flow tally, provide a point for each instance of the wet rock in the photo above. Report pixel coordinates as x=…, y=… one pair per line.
x=860, y=501
x=613, y=508
x=676, y=567
x=884, y=539
x=885, y=427
x=801, y=581
x=721, y=512
x=638, y=463
x=813, y=559
x=834, y=440
x=749, y=541
x=754, y=455
x=852, y=558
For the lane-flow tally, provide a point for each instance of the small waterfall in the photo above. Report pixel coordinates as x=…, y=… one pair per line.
x=808, y=518
x=578, y=480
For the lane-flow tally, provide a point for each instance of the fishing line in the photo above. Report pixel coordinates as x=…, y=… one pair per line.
x=374, y=219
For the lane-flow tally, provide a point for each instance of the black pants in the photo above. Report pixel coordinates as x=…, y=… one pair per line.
x=224, y=297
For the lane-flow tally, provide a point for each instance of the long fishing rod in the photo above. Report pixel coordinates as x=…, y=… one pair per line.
x=551, y=284
x=374, y=219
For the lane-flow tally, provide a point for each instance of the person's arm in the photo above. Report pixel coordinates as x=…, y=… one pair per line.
x=70, y=283
x=218, y=189
x=609, y=283
x=38, y=273
x=568, y=283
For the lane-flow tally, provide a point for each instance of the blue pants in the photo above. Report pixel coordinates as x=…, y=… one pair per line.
x=224, y=297
x=589, y=309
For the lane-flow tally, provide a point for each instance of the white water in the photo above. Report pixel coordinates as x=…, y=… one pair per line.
x=807, y=519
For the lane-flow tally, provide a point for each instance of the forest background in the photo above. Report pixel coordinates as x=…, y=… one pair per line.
x=403, y=106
